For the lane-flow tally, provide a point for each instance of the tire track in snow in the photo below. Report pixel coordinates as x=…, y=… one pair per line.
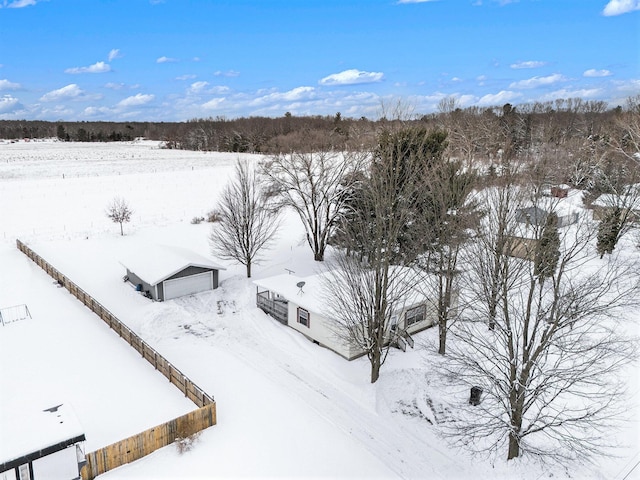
x=381, y=435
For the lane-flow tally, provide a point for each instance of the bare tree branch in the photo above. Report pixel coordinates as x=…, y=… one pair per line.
x=119, y=212
x=549, y=366
x=316, y=186
x=248, y=224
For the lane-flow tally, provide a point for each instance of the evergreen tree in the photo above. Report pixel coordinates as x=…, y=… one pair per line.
x=61, y=133
x=608, y=232
x=547, y=251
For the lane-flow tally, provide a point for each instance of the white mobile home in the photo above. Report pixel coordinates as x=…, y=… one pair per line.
x=301, y=303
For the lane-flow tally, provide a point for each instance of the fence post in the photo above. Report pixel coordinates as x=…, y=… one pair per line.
x=114, y=323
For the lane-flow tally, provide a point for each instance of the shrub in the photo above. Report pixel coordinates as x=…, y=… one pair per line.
x=185, y=444
x=214, y=216
x=197, y=220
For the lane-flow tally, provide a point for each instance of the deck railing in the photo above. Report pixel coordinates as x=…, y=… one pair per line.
x=278, y=309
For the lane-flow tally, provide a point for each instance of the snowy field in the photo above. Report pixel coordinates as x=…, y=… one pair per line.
x=286, y=407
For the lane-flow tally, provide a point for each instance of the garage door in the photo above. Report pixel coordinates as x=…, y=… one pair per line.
x=188, y=285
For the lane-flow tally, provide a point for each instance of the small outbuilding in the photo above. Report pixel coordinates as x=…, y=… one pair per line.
x=627, y=203
x=31, y=434
x=166, y=272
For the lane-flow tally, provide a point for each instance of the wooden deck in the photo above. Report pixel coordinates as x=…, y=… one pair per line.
x=278, y=309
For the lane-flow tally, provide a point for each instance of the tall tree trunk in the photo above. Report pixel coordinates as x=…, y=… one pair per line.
x=121, y=230
x=514, y=446
x=375, y=365
x=248, y=269
x=516, y=400
x=442, y=330
x=492, y=317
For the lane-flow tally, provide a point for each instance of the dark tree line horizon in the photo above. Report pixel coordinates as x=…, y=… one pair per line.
x=509, y=131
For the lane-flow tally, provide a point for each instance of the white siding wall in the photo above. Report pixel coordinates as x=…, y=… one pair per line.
x=320, y=330
x=431, y=318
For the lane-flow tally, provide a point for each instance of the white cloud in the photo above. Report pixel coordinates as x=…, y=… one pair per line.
x=465, y=100
x=528, y=64
x=186, y=77
x=121, y=86
x=135, y=100
x=7, y=85
x=203, y=87
x=98, y=67
x=352, y=77
x=565, y=93
x=535, y=82
x=213, y=103
x=618, y=7
x=95, y=111
x=113, y=54
x=8, y=103
x=629, y=87
x=219, y=89
x=198, y=87
x=18, y=3
x=69, y=92
x=415, y=1
x=166, y=60
x=295, y=94
x=592, y=72
x=228, y=73
x=500, y=98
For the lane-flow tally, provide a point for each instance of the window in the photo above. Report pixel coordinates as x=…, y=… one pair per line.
x=303, y=317
x=414, y=315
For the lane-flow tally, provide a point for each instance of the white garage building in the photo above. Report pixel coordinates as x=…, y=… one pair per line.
x=164, y=272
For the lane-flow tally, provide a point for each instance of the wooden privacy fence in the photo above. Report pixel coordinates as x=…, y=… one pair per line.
x=175, y=376
x=137, y=446
x=146, y=442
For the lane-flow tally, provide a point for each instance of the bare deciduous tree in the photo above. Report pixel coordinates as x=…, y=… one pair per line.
x=494, y=239
x=248, y=223
x=368, y=282
x=445, y=192
x=364, y=299
x=621, y=187
x=119, y=212
x=548, y=368
x=316, y=186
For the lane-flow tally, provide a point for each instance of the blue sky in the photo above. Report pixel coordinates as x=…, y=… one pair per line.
x=174, y=60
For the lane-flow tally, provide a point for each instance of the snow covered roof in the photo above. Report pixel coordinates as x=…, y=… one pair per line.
x=35, y=431
x=628, y=199
x=312, y=295
x=155, y=263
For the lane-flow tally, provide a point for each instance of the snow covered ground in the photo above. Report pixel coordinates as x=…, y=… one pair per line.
x=286, y=407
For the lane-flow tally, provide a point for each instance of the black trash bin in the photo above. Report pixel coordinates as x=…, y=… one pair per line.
x=476, y=393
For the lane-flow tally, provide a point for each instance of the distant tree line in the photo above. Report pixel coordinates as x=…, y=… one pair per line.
x=79, y=131
x=246, y=134
x=558, y=128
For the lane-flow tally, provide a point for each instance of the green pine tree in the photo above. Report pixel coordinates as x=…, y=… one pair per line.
x=608, y=232
x=547, y=252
